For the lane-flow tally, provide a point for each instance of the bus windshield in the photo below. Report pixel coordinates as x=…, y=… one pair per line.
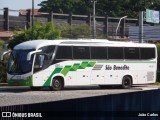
x=18, y=63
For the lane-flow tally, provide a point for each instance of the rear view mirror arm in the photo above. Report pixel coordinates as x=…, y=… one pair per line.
x=4, y=53
x=31, y=53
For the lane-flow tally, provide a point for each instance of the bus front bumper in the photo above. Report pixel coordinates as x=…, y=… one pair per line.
x=20, y=82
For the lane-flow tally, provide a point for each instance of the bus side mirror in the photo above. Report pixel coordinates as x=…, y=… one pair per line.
x=4, y=53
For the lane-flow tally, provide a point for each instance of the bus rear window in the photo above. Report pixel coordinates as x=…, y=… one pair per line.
x=147, y=53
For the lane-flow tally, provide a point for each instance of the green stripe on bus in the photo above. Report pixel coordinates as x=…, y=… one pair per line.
x=56, y=70
x=65, y=70
x=69, y=68
x=91, y=64
x=75, y=67
x=83, y=65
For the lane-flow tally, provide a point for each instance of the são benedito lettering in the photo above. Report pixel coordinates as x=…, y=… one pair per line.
x=116, y=67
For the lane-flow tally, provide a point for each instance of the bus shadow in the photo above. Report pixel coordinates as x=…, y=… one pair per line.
x=91, y=88
x=68, y=88
x=13, y=89
x=106, y=87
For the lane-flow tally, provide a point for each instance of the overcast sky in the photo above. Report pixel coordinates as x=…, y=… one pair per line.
x=18, y=4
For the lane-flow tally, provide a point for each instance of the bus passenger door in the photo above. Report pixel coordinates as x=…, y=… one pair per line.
x=39, y=65
x=38, y=79
x=97, y=74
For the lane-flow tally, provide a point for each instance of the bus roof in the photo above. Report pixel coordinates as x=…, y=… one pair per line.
x=36, y=44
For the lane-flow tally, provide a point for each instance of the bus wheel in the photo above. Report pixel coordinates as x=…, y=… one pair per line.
x=126, y=82
x=35, y=88
x=57, y=84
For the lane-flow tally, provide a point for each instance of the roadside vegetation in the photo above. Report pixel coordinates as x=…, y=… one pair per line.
x=3, y=70
x=80, y=31
x=2, y=66
x=1, y=44
x=50, y=32
x=158, y=66
x=40, y=31
x=112, y=8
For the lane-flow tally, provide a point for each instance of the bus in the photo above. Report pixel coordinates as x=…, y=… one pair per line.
x=60, y=63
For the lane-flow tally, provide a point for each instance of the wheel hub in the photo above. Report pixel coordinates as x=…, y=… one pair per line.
x=56, y=83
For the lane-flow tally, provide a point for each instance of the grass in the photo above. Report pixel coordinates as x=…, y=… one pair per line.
x=157, y=83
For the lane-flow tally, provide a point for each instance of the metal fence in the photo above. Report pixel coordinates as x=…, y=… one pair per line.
x=105, y=25
x=149, y=33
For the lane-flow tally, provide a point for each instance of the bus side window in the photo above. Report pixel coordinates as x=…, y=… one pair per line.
x=98, y=53
x=81, y=52
x=115, y=53
x=131, y=53
x=64, y=52
x=147, y=53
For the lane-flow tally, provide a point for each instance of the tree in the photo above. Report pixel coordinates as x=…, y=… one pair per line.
x=41, y=31
x=78, y=31
x=3, y=70
x=115, y=8
x=103, y=7
x=65, y=6
x=1, y=44
x=158, y=64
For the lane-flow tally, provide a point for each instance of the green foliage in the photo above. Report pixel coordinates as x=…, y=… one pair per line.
x=158, y=48
x=40, y=31
x=158, y=73
x=3, y=70
x=1, y=44
x=80, y=31
x=65, y=6
x=103, y=7
x=158, y=51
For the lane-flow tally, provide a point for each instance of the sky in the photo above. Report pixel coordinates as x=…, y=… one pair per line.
x=18, y=4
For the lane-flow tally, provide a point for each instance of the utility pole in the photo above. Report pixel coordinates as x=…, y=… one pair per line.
x=141, y=27
x=94, y=18
x=32, y=18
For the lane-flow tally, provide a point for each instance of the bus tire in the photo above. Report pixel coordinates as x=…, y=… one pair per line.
x=126, y=82
x=35, y=88
x=57, y=84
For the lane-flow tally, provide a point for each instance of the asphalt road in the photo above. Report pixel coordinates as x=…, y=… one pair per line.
x=23, y=95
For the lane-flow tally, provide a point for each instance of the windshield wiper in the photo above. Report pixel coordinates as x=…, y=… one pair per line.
x=12, y=65
x=15, y=66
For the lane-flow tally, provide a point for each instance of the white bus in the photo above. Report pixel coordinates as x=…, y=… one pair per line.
x=60, y=63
